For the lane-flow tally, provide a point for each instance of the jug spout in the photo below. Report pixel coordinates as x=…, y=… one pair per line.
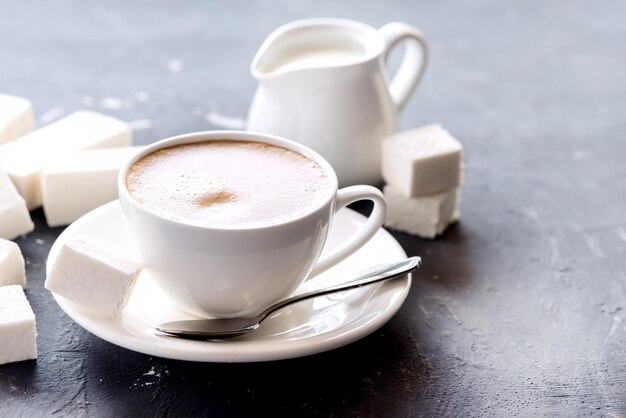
x=313, y=44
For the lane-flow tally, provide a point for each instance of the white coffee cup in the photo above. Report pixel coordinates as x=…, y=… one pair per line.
x=234, y=272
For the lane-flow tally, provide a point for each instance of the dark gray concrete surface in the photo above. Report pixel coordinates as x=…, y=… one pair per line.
x=520, y=309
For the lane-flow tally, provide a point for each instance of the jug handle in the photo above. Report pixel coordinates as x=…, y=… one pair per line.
x=413, y=63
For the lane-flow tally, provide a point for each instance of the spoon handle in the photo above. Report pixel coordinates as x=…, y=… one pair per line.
x=389, y=272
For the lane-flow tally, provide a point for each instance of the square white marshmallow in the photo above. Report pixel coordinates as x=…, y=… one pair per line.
x=14, y=217
x=16, y=117
x=422, y=161
x=426, y=216
x=18, y=335
x=93, y=277
x=73, y=184
x=22, y=159
x=11, y=264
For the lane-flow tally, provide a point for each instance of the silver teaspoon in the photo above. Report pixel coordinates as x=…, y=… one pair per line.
x=232, y=327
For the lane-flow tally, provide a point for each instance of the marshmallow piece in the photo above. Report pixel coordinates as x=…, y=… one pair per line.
x=74, y=184
x=16, y=117
x=22, y=159
x=422, y=161
x=18, y=335
x=14, y=217
x=426, y=216
x=93, y=277
x=11, y=264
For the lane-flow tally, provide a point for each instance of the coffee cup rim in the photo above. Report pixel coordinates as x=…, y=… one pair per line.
x=228, y=135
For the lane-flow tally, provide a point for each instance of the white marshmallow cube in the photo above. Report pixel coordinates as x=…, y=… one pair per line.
x=426, y=216
x=14, y=217
x=11, y=264
x=16, y=117
x=18, y=335
x=22, y=159
x=73, y=184
x=93, y=277
x=422, y=161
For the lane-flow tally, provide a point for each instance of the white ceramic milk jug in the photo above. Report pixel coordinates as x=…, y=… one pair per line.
x=324, y=83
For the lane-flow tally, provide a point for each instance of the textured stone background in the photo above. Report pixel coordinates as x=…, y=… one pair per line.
x=519, y=308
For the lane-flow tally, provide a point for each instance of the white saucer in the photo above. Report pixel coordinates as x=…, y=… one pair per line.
x=305, y=328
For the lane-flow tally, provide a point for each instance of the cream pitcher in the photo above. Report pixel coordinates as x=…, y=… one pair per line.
x=324, y=83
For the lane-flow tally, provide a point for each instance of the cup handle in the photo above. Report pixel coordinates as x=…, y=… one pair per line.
x=413, y=63
x=346, y=196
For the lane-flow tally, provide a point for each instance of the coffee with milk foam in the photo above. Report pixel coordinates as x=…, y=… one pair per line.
x=232, y=184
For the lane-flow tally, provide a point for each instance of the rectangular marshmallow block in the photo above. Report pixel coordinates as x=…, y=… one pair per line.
x=11, y=264
x=18, y=335
x=422, y=161
x=93, y=277
x=16, y=117
x=73, y=184
x=14, y=217
x=22, y=159
x=426, y=216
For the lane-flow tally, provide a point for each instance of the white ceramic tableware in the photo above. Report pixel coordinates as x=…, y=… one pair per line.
x=239, y=271
x=324, y=84
x=309, y=327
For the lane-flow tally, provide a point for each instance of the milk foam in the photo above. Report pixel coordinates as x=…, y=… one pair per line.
x=228, y=183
